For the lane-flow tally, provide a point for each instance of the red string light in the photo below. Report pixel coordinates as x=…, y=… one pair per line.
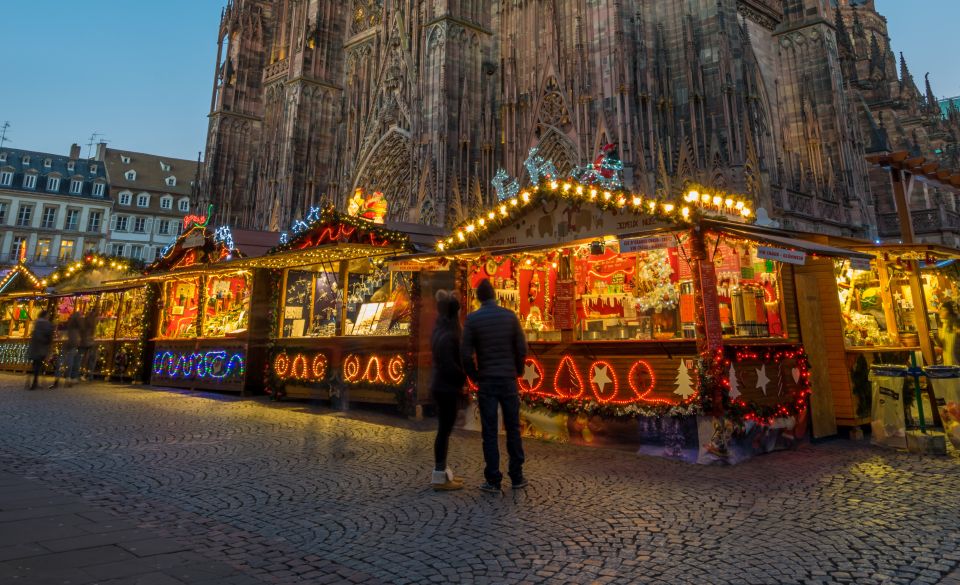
x=602, y=397
x=525, y=386
x=351, y=368
x=396, y=369
x=573, y=375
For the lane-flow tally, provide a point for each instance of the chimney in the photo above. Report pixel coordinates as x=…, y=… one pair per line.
x=74, y=151
x=101, y=152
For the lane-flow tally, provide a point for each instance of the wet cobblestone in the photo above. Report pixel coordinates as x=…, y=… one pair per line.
x=290, y=493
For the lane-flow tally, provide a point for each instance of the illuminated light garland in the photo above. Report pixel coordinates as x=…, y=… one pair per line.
x=319, y=366
x=698, y=205
x=397, y=369
x=351, y=368
x=21, y=269
x=217, y=365
x=373, y=364
x=281, y=365
x=330, y=226
x=89, y=262
x=598, y=392
x=298, y=367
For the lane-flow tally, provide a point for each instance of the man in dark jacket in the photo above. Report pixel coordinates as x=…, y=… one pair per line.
x=494, y=351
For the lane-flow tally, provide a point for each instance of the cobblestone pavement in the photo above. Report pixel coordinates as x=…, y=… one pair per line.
x=290, y=493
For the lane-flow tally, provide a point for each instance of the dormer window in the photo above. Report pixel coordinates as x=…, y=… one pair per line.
x=130, y=175
x=124, y=198
x=71, y=166
x=30, y=181
x=76, y=187
x=3, y=157
x=93, y=169
x=47, y=163
x=143, y=200
x=124, y=159
x=53, y=184
x=6, y=178
x=26, y=161
x=99, y=189
x=166, y=202
x=164, y=167
x=171, y=181
x=184, y=205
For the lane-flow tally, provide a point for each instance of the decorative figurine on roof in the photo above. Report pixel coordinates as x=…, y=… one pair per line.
x=373, y=208
x=605, y=170
x=538, y=168
x=504, y=189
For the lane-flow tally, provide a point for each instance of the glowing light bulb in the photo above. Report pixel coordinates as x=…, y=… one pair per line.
x=739, y=205
x=470, y=228
x=685, y=212
x=513, y=202
x=637, y=201
x=668, y=207
x=579, y=189
x=717, y=200
x=567, y=187
x=728, y=202
x=705, y=198
x=693, y=195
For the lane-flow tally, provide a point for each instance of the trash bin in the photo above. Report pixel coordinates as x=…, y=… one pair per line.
x=887, y=422
x=946, y=388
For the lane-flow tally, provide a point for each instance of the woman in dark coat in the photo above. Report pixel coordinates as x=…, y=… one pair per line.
x=446, y=385
x=40, y=341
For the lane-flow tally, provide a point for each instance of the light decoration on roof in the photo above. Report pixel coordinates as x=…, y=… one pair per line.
x=372, y=208
x=20, y=269
x=89, y=262
x=193, y=220
x=224, y=235
x=698, y=202
x=327, y=225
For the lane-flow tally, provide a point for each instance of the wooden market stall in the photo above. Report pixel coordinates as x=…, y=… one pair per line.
x=635, y=308
x=118, y=314
x=21, y=301
x=348, y=323
x=207, y=312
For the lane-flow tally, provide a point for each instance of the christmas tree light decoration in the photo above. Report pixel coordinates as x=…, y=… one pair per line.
x=567, y=382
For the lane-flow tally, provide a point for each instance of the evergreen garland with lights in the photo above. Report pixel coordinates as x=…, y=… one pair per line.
x=330, y=216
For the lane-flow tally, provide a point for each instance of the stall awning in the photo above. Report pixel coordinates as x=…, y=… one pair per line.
x=324, y=254
x=780, y=240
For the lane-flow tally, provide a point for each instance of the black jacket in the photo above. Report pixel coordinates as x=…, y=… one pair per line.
x=448, y=374
x=494, y=335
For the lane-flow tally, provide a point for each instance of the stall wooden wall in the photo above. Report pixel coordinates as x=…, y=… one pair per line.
x=821, y=328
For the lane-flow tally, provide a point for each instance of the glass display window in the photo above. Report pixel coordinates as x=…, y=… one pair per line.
x=748, y=289
x=178, y=316
x=227, y=309
x=17, y=316
x=106, y=313
x=66, y=306
x=861, y=304
x=313, y=301
x=133, y=303
x=378, y=300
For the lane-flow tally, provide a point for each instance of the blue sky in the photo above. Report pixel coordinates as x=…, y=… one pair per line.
x=140, y=72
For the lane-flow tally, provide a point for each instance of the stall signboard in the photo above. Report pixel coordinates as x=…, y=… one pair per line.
x=565, y=307
x=781, y=255
x=860, y=263
x=433, y=265
x=652, y=243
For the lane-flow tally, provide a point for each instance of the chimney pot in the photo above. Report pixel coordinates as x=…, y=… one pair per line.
x=74, y=151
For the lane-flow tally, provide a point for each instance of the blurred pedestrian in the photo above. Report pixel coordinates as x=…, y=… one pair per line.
x=88, y=344
x=446, y=385
x=70, y=352
x=947, y=333
x=41, y=338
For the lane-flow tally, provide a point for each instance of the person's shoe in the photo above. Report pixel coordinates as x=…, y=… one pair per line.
x=448, y=486
x=490, y=488
x=54, y=385
x=519, y=485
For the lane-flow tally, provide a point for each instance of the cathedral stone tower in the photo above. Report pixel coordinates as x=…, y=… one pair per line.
x=425, y=99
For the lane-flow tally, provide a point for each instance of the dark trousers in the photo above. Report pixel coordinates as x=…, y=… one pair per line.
x=37, y=368
x=447, y=403
x=500, y=394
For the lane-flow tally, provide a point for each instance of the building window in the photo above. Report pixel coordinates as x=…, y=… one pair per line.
x=3, y=212
x=24, y=215
x=66, y=250
x=17, y=247
x=143, y=200
x=121, y=223
x=89, y=247
x=42, y=253
x=164, y=167
x=49, y=219
x=71, y=166
x=93, y=221
x=76, y=187
x=130, y=175
x=139, y=225
x=184, y=205
x=166, y=203
x=163, y=227
x=125, y=159
x=30, y=181
x=73, y=219
x=99, y=189
x=47, y=163
x=171, y=181
x=125, y=198
x=53, y=184
x=136, y=252
x=93, y=169
x=6, y=179
x=154, y=254
x=116, y=250
x=26, y=161
x=3, y=157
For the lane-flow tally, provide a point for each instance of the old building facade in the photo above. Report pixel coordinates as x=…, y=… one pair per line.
x=425, y=100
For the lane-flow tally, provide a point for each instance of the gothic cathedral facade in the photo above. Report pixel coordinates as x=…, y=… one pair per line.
x=425, y=100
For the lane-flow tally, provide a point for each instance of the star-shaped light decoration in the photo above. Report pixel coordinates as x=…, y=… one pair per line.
x=600, y=377
x=530, y=375
x=762, y=379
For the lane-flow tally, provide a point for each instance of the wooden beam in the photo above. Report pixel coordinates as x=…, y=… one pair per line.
x=930, y=167
x=899, y=156
x=915, y=162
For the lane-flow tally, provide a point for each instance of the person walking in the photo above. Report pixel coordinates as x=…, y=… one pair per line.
x=88, y=346
x=493, y=351
x=446, y=385
x=41, y=338
x=70, y=353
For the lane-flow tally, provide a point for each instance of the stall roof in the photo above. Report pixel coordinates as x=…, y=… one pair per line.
x=423, y=237
x=331, y=252
x=782, y=238
x=255, y=243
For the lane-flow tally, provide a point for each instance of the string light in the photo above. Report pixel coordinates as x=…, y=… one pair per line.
x=217, y=365
x=373, y=370
x=598, y=392
x=300, y=367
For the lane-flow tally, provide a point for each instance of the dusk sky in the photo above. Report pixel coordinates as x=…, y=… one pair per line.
x=140, y=73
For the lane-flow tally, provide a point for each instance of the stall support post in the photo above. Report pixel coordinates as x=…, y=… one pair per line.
x=916, y=373
x=920, y=310
x=709, y=329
